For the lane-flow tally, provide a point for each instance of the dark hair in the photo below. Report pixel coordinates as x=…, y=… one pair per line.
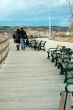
x=22, y=28
x=18, y=31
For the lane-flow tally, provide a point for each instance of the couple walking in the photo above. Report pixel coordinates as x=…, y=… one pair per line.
x=20, y=38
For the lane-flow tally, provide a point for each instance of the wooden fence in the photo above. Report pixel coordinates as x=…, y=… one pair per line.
x=4, y=49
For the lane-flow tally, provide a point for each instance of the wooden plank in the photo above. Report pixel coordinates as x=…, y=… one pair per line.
x=69, y=101
x=28, y=81
x=62, y=101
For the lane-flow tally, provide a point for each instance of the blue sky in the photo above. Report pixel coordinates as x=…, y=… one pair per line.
x=34, y=12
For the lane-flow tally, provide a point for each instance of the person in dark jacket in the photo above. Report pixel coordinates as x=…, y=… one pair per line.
x=17, y=38
x=13, y=37
x=23, y=36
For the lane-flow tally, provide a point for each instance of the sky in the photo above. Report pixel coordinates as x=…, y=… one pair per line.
x=34, y=12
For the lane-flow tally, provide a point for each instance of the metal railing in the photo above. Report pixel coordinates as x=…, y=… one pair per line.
x=4, y=49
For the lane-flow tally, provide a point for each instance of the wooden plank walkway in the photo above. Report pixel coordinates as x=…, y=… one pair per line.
x=29, y=81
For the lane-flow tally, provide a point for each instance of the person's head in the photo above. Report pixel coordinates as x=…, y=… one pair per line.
x=18, y=29
x=22, y=28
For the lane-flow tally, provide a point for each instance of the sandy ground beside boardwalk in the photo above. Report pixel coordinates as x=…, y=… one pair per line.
x=64, y=39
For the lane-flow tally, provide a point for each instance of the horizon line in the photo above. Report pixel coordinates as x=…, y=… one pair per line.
x=31, y=26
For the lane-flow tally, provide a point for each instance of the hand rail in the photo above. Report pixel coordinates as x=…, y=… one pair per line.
x=3, y=40
x=4, y=49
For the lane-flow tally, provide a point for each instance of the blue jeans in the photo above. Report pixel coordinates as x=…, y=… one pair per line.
x=22, y=42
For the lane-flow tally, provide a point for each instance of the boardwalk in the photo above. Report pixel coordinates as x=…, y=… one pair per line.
x=29, y=81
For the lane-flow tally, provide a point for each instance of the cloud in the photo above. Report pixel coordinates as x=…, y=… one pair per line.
x=32, y=11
